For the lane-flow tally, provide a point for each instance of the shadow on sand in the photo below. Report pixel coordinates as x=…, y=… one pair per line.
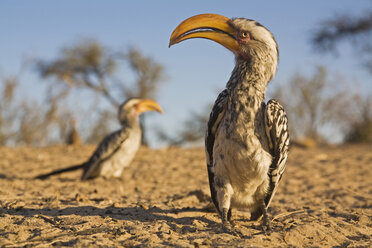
x=118, y=213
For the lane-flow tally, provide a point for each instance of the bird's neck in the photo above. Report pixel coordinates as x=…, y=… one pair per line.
x=249, y=78
x=247, y=85
x=132, y=123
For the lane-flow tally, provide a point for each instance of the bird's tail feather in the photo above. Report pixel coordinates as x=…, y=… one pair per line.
x=71, y=168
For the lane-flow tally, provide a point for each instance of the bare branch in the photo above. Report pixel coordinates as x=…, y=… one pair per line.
x=340, y=28
x=357, y=30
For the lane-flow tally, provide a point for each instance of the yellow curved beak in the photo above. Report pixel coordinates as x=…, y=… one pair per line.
x=208, y=26
x=148, y=105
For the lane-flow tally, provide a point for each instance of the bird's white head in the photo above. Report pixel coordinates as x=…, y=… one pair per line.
x=251, y=35
x=247, y=39
x=133, y=107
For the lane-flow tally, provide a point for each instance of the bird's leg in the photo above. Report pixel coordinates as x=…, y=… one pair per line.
x=266, y=223
x=224, y=192
x=226, y=226
x=229, y=215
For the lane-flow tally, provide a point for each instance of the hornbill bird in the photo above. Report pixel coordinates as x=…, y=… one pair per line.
x=117, y=150
x=246, y=140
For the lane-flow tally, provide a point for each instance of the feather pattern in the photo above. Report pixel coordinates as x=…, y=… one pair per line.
x=108, y=147
x=215, y=118
x=276, y=124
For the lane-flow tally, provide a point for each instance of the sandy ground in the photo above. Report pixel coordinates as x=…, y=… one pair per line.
x=324, y=200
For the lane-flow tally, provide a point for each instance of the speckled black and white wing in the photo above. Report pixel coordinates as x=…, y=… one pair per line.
x=215, y=118
x=276, y=124
x=108, y=146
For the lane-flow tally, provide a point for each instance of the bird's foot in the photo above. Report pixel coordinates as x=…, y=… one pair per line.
x=227, y=227
x=230, y=229
x=232, y=223
x=266, y=225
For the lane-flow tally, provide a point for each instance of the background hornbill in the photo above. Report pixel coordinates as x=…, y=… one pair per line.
x=117, y=150
x=246, y=140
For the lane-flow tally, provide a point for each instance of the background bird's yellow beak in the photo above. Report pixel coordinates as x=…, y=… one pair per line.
x=209, y=26
x=148, y=105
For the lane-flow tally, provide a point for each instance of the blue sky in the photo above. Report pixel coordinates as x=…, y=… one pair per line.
x=196, y=69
